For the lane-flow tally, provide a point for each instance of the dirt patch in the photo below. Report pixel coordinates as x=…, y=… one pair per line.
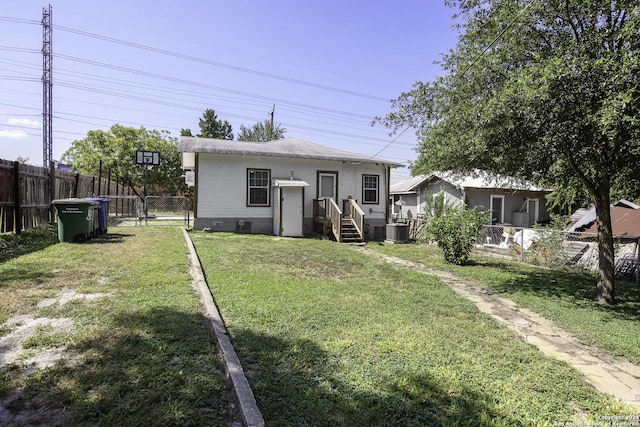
x=67, y=295
x=27, y=327
x=19, y=408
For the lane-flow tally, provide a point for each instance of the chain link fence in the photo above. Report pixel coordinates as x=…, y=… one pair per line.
x=153, y=210
x=558, y=249
x=549, y=248
x=124, y=210
x=167, y=210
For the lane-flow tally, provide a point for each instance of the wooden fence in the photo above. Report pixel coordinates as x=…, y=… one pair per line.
x=26, y=196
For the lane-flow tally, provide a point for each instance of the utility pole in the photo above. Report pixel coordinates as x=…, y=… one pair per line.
x=271, y=113
x=270, y=131
x=47, y=85
x=47, y=106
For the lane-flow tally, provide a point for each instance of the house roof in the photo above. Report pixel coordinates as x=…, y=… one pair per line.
x=287, y=147
x=625, y=220
x=478, y=179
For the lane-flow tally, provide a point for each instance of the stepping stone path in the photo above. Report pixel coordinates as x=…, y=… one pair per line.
x=606, y=373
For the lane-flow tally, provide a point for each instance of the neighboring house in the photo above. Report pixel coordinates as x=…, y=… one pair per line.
x=510, y=201
x=287, y=187
x=625, y=225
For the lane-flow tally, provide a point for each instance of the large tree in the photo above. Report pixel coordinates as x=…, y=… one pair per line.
x=117, y=147
x=543, y=90
x=212, y=127
x=261, y=132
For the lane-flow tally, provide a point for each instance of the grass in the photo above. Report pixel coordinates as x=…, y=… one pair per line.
x=141, y=354
x=567, y=298
x=14, y=245
x=331, y=337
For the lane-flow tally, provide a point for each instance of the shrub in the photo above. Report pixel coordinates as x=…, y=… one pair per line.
x=456, y=230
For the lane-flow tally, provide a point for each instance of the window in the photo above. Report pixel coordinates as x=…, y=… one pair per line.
x=370, y=188
x=258, y=187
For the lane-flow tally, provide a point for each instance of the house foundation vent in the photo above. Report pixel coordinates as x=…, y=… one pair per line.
x=243, y=226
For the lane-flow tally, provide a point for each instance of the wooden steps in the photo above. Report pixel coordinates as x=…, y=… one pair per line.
x=349, y=231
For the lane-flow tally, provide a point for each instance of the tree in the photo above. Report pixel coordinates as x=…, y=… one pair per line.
x=117, y=147
x=211, y=127
x=546, y=91
x=261, y=132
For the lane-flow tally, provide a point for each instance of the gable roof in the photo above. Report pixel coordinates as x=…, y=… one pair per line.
x=287, y=147
x=478, y=179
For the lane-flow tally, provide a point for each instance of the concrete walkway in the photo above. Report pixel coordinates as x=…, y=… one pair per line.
x=607, y=373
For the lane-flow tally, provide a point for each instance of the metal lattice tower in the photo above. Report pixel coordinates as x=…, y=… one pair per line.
x=47, y=86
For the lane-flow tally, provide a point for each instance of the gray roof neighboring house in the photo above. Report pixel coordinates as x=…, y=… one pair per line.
x=478, y=179
x=287, y=147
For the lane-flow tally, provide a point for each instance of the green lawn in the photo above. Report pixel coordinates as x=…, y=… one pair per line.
x=139, y=354
x=329, y=336
x=567, y=298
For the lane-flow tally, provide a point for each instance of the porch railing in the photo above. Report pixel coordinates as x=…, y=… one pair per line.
x=357, y=216
x=335, y=214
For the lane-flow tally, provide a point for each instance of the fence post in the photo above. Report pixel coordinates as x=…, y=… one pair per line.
x=522, y=244
x=75, y=188
x=52, y=191
x=99, y=179
x=17, y=214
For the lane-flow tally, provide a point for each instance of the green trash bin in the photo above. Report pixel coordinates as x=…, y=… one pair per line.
x=76, y=221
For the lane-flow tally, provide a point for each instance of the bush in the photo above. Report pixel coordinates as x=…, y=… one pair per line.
x=455, y=231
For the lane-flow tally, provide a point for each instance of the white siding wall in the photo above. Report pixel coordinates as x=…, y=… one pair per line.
x=222, y=184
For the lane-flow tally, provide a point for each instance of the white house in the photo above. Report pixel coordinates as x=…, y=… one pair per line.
x=287, y=187
x=510, y=200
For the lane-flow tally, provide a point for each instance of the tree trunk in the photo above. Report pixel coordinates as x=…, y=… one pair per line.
x=606, y=262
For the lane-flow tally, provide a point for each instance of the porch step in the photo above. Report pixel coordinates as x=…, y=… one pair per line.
x=349, y=232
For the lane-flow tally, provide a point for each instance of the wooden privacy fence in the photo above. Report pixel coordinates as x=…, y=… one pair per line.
x=26, y=196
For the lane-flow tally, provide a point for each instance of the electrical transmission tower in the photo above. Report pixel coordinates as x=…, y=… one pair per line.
x=47, y=86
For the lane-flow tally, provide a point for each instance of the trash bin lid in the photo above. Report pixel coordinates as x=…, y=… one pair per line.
x=74, y=201
x=97, y=199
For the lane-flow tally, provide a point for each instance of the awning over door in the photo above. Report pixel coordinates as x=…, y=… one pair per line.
x=286, y=182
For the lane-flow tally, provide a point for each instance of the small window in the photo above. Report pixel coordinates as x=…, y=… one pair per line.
x=258, y=181
x=370, y=188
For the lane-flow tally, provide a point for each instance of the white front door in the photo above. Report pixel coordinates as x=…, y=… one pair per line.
x=291, y=203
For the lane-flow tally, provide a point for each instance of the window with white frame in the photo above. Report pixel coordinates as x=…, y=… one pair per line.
x=370, y=188
x=258, y=185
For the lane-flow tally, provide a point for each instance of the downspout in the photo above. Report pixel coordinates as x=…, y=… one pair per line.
x=196, y=187
x=388, y=177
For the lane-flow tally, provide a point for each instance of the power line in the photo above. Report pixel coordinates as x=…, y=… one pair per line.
x=220, y=64
x=19, y=20
x=203, y=85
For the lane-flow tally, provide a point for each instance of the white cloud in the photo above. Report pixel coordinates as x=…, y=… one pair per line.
x=13, y=134
x=22, y=121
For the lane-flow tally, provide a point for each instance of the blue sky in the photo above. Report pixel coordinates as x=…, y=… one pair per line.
x=329, y=67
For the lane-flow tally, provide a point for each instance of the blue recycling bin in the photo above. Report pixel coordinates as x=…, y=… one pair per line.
x=103, y=213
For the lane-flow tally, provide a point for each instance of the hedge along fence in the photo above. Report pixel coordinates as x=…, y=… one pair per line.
x=26, y=196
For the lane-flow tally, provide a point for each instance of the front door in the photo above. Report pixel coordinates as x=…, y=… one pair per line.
x=291, y=211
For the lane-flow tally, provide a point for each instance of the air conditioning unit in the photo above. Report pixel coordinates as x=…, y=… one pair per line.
x=398, y=233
